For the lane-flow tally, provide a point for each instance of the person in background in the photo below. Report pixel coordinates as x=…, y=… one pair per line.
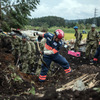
x=97, y=54
x=92, y=42
x=25, y=54
x=15, y=44
x=78, y=39
x=32, y=61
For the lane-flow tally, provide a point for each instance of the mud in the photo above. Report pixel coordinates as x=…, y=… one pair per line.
x=16, y=90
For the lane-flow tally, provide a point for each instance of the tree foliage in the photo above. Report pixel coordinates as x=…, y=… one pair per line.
x=83, y=23
x=15, y=13
x=90, y=21
x=49, y=20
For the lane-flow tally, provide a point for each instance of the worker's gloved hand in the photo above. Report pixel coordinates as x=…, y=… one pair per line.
x=41, y=52
x=65, y=46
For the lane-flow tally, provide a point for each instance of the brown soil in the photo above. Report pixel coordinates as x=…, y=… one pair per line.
x=15, y=90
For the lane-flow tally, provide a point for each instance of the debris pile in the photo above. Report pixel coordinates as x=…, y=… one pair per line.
x=58, y=86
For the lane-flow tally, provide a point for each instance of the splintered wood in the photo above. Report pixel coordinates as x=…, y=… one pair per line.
x=88, y=79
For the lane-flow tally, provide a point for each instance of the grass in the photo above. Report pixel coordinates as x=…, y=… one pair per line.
x=69, y=36
x=69, y=32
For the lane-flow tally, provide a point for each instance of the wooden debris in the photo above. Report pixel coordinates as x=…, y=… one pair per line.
x=90, y=80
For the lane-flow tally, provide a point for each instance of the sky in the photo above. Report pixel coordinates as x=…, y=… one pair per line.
x=67, y=9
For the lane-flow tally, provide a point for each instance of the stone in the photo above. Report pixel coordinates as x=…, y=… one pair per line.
x=79, y=86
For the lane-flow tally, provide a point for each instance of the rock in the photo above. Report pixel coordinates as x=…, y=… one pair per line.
x=79, y=86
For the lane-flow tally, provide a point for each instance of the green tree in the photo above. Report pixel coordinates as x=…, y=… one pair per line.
x=88, y=26
x=82, y=26
x=15, y=13
x=44, y=27
x=98, y=21
x=49, y=20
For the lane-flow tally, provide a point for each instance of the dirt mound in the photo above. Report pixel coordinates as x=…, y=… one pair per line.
x=19, y=90
x=8, y=86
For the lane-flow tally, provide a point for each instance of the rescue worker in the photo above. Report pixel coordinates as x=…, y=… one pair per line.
x=97, y=54
x=25, y=50
x=78, y=38
x=92, y=41
x=15, y=44
x=41, y=44
x=32, y=61
x=51, y=53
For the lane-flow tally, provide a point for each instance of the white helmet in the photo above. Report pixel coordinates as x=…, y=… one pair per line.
x=93, y=25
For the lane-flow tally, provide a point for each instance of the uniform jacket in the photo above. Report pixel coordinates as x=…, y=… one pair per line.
x=51, y=46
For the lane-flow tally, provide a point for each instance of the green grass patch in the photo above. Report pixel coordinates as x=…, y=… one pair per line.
x=32, y=91
x=69, y=36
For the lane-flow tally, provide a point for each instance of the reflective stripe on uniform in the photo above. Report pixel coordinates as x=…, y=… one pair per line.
x=50, y=48
x=55, y=51
x=42, y=77
x=67, y=70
